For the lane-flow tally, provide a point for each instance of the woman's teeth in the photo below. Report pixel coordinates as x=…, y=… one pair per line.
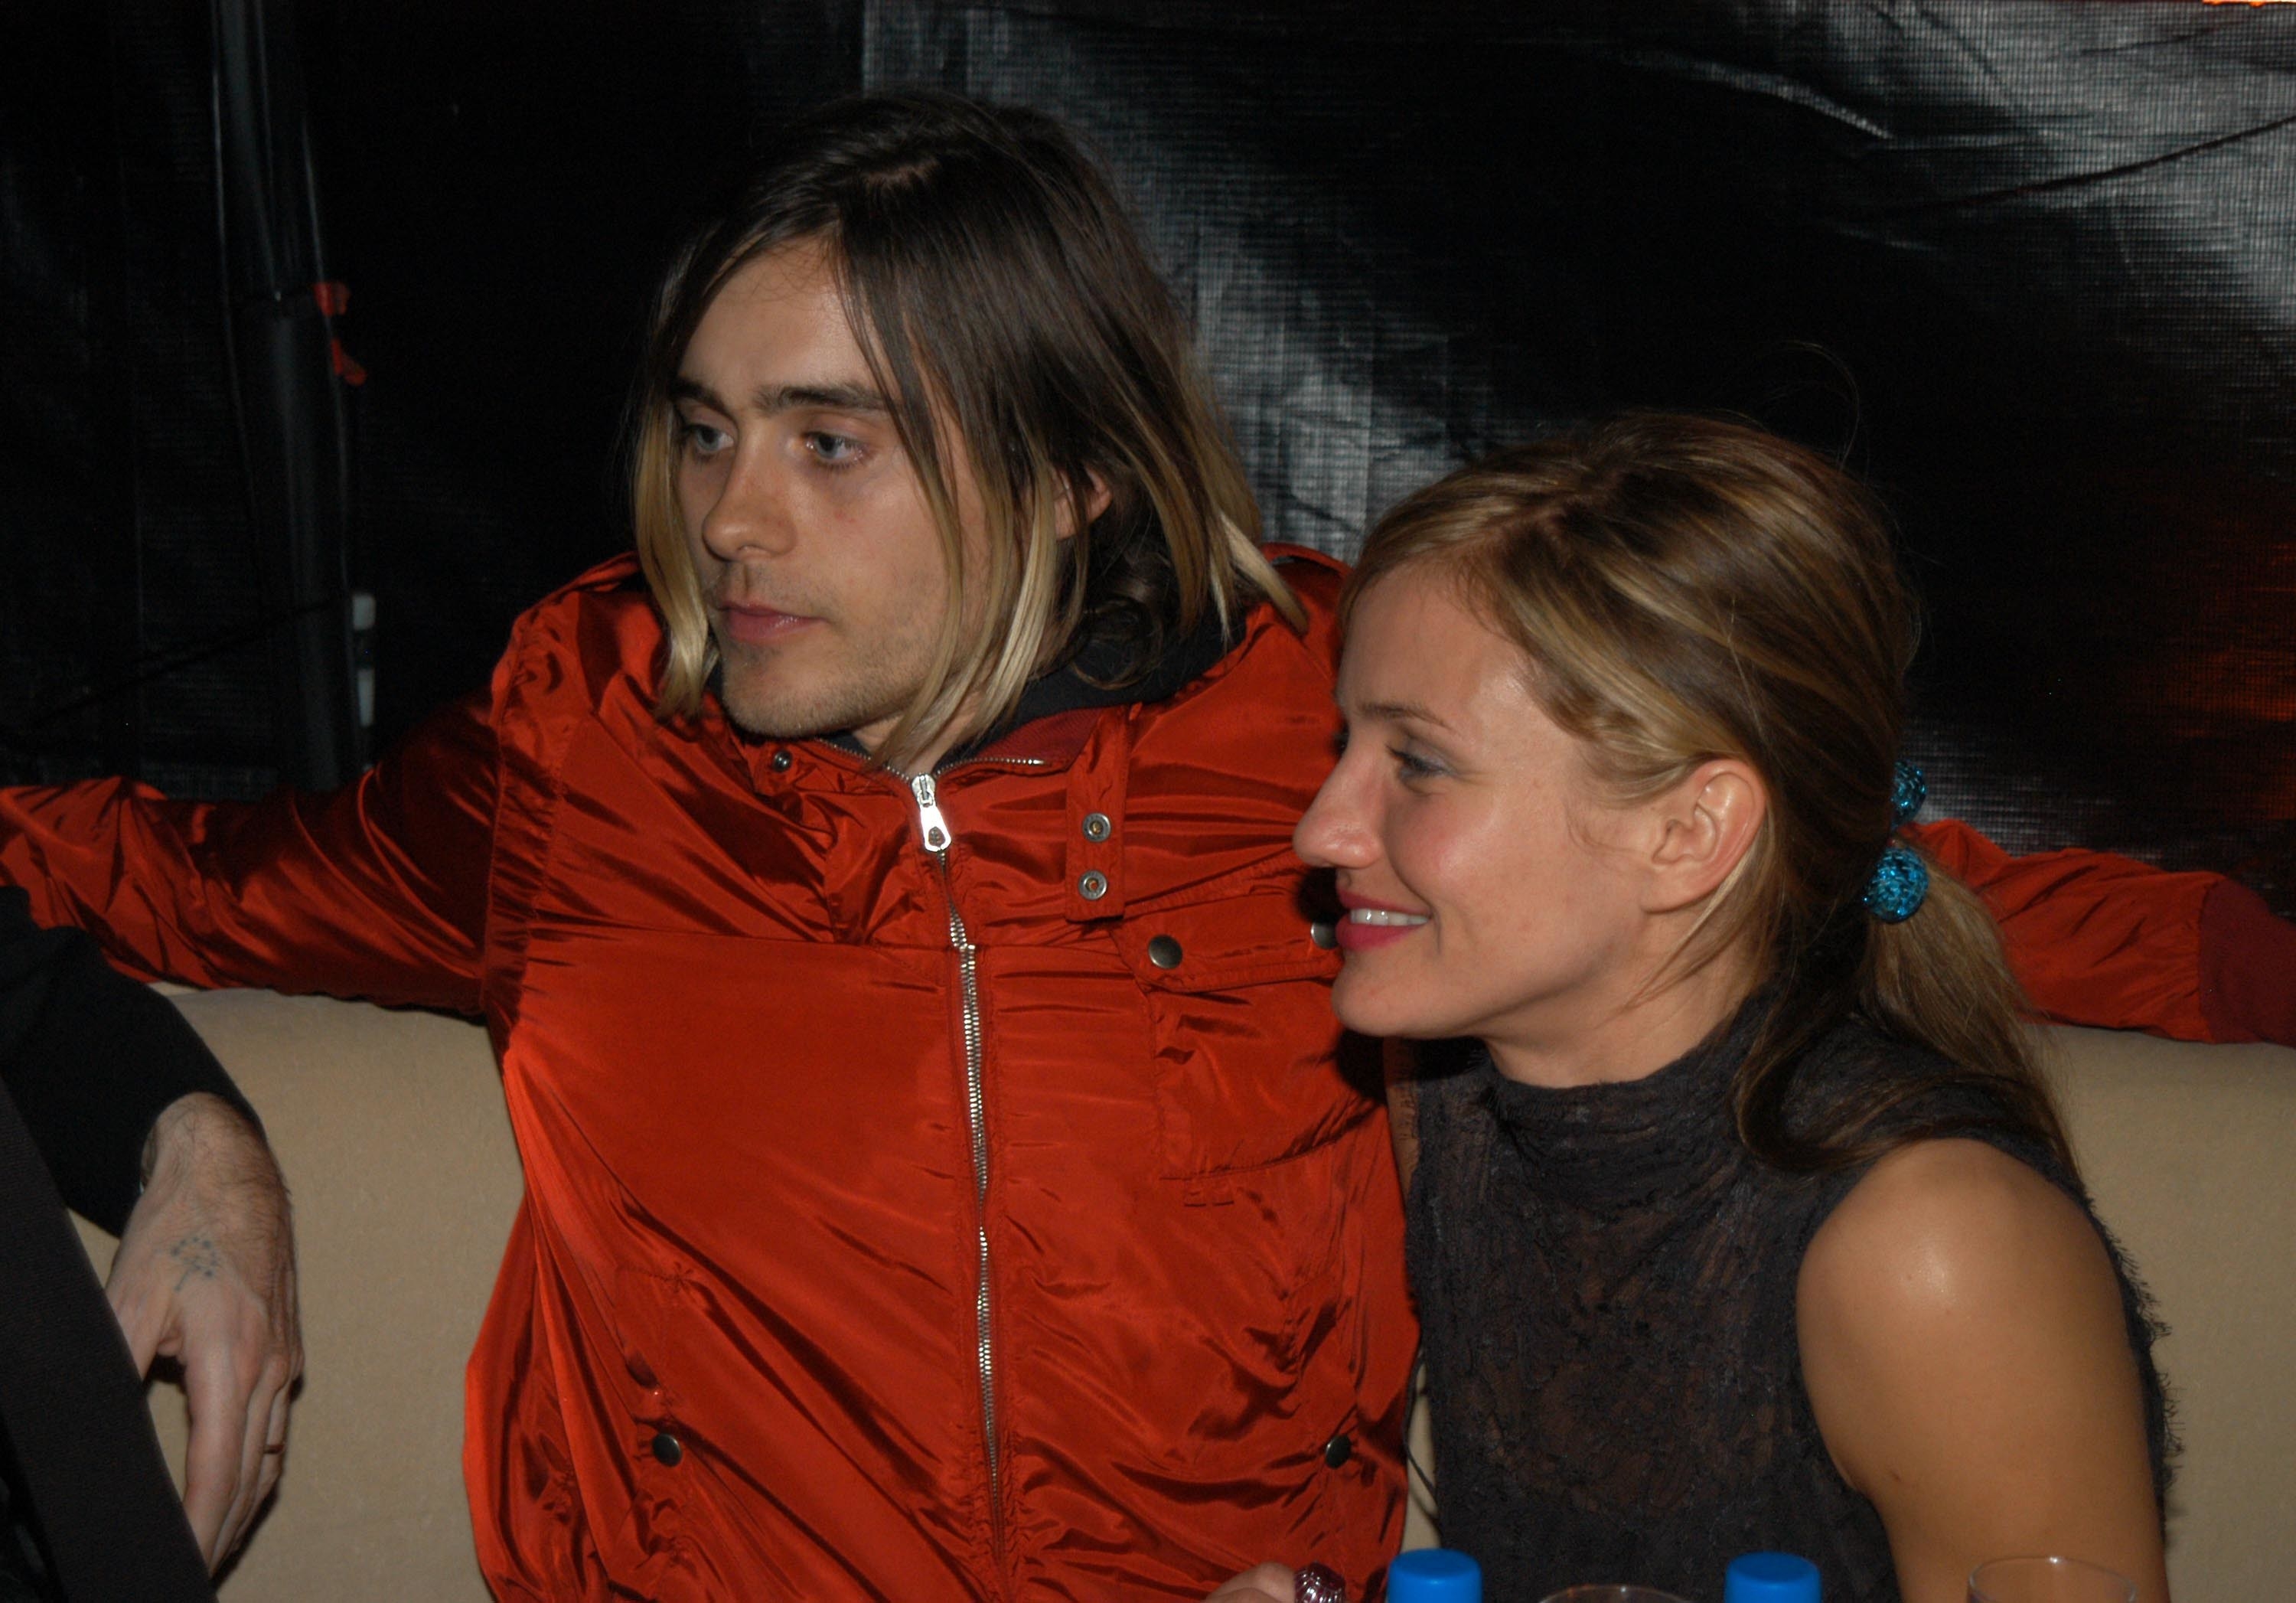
x=1381, y=916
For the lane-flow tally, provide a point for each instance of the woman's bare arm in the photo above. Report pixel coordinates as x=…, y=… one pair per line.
x=1964, y=1347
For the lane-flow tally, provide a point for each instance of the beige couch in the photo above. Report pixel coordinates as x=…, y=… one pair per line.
x=392, y=1130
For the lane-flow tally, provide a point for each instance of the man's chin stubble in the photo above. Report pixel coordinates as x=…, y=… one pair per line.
x=774, y=717
x=778, y=714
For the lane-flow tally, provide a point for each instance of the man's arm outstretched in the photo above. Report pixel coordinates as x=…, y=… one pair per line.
x=376, y=890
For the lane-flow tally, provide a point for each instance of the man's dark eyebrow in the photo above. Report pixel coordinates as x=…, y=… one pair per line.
x=682, y=388
x=832, y=398
x=787, y=397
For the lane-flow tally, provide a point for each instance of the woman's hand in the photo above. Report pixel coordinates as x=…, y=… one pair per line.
x=1965, y=1351
x=1263, y=1584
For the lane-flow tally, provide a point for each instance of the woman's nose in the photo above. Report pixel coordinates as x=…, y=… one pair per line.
x=1336, y=831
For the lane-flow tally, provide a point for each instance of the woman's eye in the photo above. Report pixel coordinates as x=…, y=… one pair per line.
x=1410, y=765
x=835, y=450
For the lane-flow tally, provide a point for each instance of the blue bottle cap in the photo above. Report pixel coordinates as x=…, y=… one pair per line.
x=1434, y=1576
x=1770, y=1578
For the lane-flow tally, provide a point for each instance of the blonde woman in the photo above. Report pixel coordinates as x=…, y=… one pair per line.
x=1740, y=1219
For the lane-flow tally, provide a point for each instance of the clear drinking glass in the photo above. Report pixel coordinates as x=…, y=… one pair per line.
x=1610, y=1594
x=2049, y=1581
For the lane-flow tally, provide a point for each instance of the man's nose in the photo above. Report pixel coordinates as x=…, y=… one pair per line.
x=752, y=515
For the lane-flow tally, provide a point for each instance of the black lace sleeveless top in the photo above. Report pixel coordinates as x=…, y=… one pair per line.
x=1606, y=1282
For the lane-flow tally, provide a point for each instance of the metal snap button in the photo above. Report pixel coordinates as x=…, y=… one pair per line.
x=1324, y=933
x=1164, y=952
x=669, y=1449
x=1093, y=885
x=1337, y=1451
x=1096, y=826
x=780, y=762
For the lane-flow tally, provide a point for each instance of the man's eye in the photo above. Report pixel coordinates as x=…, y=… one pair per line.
x=837, y=450
x=703, y=438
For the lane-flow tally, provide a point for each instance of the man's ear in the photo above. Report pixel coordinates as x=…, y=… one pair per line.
x=1095, y=502
x=1704, y=827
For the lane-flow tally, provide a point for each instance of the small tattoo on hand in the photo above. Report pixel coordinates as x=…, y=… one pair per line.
x=198, y=1258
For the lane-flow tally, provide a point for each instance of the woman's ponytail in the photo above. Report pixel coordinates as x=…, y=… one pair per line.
x=1940, y=978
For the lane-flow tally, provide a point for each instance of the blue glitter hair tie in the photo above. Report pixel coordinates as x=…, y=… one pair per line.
x=1907, y=791
x=1900, y=879
x=1899, y=883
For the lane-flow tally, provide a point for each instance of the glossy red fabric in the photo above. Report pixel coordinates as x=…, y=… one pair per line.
x=2248, y=980
x=2095, y=939
x=732, y=1026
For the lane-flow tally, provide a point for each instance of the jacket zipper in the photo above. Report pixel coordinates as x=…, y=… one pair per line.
x=939, y=838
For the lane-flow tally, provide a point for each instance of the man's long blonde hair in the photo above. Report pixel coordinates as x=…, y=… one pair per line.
x=1003, y=300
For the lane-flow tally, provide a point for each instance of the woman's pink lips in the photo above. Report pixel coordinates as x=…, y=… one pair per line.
x=758, y=625
x=1355, y=937
x=1363, y=937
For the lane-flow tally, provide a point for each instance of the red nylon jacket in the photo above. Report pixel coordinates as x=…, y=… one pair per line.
x=786, y=1085
x=1005, y=1221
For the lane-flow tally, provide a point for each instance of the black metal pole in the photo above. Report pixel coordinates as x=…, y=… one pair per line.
x=286, y=388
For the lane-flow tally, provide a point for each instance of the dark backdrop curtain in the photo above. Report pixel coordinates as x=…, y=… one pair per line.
x=2027, y=264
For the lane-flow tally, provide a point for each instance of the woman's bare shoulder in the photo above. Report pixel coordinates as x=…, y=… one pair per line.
x=1966, y=1351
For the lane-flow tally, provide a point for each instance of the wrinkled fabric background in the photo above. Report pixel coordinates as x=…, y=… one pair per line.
x=2027, y=264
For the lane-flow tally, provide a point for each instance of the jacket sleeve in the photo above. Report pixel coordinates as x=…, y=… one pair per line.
x=2101, y=940
x=377, y=889
x=90, y=1059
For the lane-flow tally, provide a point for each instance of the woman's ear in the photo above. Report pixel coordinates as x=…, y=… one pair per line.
x=1705, y=826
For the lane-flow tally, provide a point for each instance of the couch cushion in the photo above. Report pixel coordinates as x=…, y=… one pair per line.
x=390, y=1128
x=2190, y=1154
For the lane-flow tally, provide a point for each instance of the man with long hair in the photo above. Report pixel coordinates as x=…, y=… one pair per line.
x=943, y=1176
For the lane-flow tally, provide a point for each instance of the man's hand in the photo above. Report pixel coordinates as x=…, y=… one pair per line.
x=206, y=1274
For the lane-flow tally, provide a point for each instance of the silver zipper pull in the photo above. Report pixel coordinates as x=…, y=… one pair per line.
x=938, y=836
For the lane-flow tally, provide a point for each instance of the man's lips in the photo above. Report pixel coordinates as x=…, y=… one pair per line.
x=1372, y=924
x=759, y=625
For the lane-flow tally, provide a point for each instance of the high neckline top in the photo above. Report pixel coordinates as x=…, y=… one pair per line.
x=1606, y=1281
x=1617, y=1143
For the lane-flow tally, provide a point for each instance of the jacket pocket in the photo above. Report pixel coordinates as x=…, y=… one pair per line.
x=1248, y=1060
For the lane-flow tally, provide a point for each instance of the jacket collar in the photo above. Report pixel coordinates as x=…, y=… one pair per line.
x=1057, y=712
